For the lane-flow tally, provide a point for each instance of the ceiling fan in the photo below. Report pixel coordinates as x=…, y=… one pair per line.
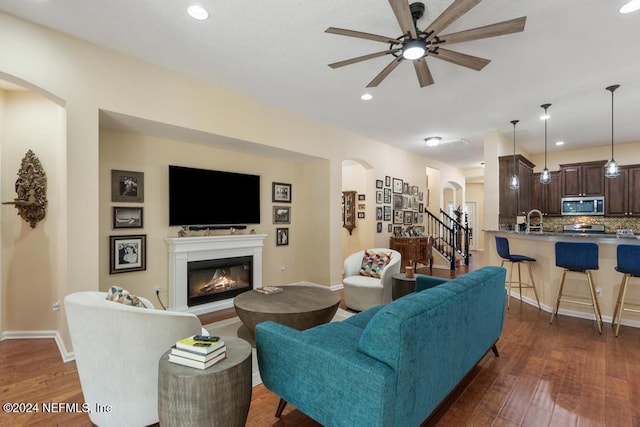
x=415, y=45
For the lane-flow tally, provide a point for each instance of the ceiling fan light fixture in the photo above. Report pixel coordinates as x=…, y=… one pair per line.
x=433, y=141
x=414, y=49
x=630, y=6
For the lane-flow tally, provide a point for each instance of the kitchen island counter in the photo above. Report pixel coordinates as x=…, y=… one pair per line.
x=541, y=246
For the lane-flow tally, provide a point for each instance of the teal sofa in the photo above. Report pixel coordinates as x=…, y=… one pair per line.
x=391, y=365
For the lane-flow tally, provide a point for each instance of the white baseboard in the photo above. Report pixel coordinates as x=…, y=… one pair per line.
x=572, y=313
x=66, y=355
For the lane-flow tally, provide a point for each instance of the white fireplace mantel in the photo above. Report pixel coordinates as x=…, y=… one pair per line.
x=182, y=250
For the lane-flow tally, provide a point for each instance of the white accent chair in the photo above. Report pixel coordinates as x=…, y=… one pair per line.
x=363, y=292
x=117, y=349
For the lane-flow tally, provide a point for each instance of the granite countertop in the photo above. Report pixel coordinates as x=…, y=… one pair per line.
x=602, y=237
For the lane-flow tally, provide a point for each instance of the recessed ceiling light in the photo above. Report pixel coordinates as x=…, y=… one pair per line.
x=631, y=6
x=366, y=97
x=197, y=12
x=559, y=142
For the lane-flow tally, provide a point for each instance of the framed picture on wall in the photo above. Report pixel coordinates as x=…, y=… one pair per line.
x=389, y=228
x=127, y=186
x=282, y=236
x=397, y=185
x=280, y=192
x=379, y=227
x=282, y=215
x=397, y=217
x=387, y=213
x=379, y=183
x=408, y=217
x=379, y=213
x=387, y=195
x=126, y=217
x=127, y=253
x=379, y=197
x=387, y=181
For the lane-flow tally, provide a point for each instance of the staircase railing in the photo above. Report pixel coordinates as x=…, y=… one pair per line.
x=451, y=237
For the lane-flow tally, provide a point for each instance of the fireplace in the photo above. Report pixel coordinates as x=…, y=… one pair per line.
x=202, y=253
x=218, y=279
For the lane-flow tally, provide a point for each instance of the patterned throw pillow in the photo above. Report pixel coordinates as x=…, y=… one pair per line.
x=374, y=262
x=117, y=294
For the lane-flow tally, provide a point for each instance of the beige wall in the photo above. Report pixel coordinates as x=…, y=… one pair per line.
x=31, y=260
x=475, y=193
x=86, y=79
x=624, y=154
x=152, y=155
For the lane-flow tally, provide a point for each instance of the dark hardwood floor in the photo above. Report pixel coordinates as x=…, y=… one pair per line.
x=565, y=374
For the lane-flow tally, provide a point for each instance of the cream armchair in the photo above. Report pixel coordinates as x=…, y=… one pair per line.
x=117, y=348
x=362, y=292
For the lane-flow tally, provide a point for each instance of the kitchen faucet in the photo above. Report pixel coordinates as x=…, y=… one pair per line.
x=534, y=228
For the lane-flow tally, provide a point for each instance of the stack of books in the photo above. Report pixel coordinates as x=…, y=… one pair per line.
x=198, y=351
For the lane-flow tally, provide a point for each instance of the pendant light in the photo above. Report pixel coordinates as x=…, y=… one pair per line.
x=611, y=169
x=545, y=176
x=514, y=182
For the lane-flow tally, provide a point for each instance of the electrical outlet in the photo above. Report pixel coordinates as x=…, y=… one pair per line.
x=55, y=306
x=156, y=289
x=599, y=292
x=282, y=268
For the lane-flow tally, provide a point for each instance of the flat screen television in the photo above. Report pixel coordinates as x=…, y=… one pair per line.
x=201, y=197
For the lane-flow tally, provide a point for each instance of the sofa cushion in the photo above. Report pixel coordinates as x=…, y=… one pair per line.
x=373, y=263
x=122, y=296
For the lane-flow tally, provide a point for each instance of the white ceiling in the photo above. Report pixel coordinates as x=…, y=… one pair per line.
x=277, y=50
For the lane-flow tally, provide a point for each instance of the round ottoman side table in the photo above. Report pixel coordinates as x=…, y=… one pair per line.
x=402, y=285
x=217, y=396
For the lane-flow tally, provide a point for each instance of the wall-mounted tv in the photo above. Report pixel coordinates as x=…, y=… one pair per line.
x=201, y=197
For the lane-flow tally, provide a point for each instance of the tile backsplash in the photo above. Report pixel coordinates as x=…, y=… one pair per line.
x=611, y=224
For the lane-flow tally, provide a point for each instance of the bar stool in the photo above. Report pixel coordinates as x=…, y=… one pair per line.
x=578, y=258
x=502, y=246
x=628, y=259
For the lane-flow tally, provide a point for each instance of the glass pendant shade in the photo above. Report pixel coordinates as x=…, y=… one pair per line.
x=514, y=182
x=611, y=169
x=545, y=176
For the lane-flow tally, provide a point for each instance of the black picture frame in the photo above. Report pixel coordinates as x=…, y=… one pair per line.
x=379, y=213
x=361, y=215
x=397, y=185
x=389, y=228
x=282, y=236
x=362, y=197
x=387, y=181
x=281, y=192
x=379, y=183
x=387, y=195
x=379, y=227
x=127, y=217
x=127, y=186
x=127, y=253
x=282, y=214
x=408, y=218
x=387, y=213
x=379, y=197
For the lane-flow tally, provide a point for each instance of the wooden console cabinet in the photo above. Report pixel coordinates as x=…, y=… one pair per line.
x=413, y=250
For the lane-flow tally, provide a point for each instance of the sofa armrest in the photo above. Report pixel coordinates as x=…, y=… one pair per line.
x=323, y=374
x=425, y=282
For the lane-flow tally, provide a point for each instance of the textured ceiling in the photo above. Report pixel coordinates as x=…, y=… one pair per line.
x=277, y=50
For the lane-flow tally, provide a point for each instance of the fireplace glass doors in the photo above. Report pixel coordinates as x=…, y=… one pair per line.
x=218, y=279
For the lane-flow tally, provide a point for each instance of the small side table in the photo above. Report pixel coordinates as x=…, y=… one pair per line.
x=402, y=285
x=217, y=396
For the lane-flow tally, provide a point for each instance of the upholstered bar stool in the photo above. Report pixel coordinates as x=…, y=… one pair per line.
x=628, y=260
x=577, y=258
x=502, y=246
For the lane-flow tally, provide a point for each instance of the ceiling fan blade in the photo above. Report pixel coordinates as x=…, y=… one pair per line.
x=469, y=61
x=499, y=29
x=403, y=15
x=384, y=73
x=361, y=58
x=361, y=35
x=450, y=15
x=423, y=72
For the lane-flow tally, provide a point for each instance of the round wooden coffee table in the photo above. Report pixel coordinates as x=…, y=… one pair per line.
x=300, y=307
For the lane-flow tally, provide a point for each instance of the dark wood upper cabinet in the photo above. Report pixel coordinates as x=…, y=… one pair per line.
x=583, y=179
x=622, y=193
x=546, y=197
x=515, y=202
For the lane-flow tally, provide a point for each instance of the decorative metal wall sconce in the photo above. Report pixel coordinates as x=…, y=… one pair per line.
x=31, y=189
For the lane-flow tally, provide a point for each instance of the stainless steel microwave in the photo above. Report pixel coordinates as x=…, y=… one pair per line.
x=583, y=206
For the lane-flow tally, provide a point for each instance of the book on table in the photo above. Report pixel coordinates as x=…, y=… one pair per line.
x=199, y=346
x=188, y=354
x=195, y=363
x=268, y=290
